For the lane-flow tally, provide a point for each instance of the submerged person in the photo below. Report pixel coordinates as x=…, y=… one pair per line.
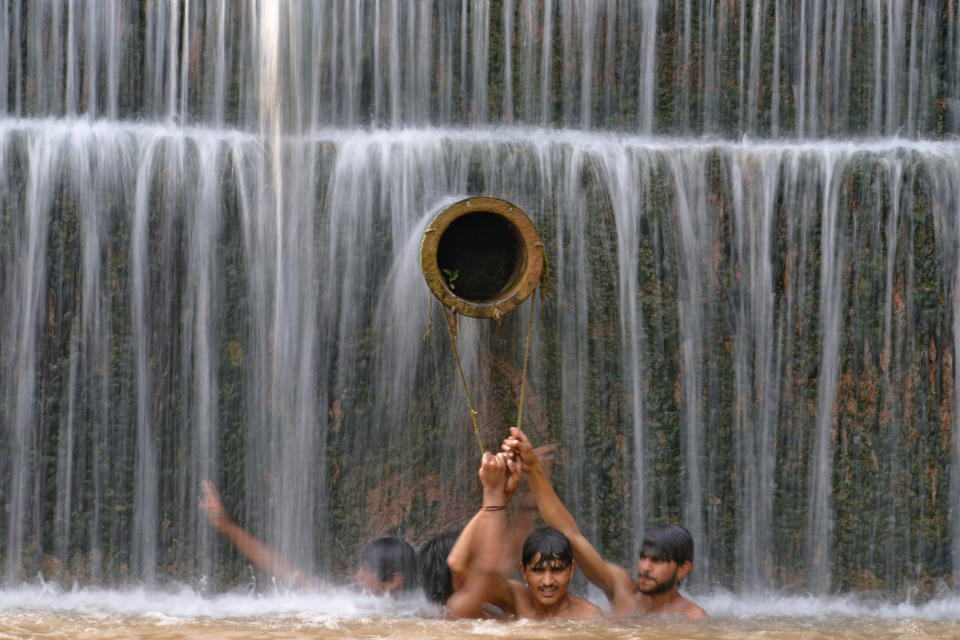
x=387, y=565
x=666, y=556
x=435, y=577
x=546, y=562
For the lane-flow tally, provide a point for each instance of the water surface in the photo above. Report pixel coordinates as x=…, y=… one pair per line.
x=48, y=612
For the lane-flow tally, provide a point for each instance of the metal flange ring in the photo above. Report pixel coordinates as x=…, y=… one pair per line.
x=481, y=257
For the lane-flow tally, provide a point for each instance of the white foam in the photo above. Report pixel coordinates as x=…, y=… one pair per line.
x=536, y=137
x=178, y=603
x=825, y=608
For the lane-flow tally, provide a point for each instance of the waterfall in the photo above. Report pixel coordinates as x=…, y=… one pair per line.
x=210, y=214
x=758, y=356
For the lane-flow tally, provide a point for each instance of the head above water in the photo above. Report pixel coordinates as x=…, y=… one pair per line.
x=667, y=543
x=547, y=568
x=546, y=546
x=434, y=571
x=387, y=565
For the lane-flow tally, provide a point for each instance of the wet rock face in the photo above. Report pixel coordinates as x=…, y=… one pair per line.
x=765, y=69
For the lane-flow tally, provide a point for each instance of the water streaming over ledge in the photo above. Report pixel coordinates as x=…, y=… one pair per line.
x=209, y=221
x=800, y=68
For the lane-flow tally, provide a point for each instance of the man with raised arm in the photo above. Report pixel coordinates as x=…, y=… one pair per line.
x=439, y=583
x=666, y=555
x=387, y=565
x=546, y=564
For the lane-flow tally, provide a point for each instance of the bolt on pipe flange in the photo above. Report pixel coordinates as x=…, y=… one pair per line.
x=481, y=257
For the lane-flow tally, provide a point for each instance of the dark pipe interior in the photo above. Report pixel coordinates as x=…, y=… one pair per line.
x=480, y=255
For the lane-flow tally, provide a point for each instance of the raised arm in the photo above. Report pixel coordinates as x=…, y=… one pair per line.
x=476, y=555
x=525, y=515
x=256, y=551
x=613, y=580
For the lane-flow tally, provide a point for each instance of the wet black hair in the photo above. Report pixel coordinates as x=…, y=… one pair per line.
x=666, y=543
x=553, y=547
x=434, y=571
x=388, y=556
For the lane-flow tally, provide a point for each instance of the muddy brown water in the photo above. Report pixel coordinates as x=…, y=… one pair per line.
x=50, y=612
x=102, y=627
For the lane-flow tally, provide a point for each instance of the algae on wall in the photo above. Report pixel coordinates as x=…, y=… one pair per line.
x=703, y=411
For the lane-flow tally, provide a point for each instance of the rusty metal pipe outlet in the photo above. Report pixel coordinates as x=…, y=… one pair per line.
x=481, y=257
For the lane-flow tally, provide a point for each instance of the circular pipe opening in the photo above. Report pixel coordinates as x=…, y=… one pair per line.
x=481, y=257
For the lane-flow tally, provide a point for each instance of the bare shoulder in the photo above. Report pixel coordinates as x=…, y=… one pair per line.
x=691, y=610
x=686, y=608
x=581, y=608
x=522, y=601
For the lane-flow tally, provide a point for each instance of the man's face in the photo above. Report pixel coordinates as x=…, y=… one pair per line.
x=368, y=580
x=547, y=581
x=657, y=576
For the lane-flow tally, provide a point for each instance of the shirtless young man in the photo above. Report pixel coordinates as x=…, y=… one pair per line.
x=666, y=556
x=439, y=583
x=546, y=565
x=387, y=565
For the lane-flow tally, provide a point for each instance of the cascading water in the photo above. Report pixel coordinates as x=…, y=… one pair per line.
x=209, y=222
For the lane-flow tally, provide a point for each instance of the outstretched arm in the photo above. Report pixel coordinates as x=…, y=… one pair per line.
x=525, y=515
x=256, y=551
x=476, y=555
x=612, y=579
